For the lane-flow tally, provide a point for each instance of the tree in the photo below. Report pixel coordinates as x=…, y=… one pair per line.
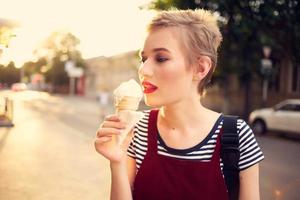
x=6, y=33
x=247, y=26
x=58, y=48
x=34, y=67
x=9, y=74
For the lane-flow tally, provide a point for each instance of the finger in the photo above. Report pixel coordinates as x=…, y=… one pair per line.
x=112, y=118
x=102, y=140
x=108, y=132
x=113, y=124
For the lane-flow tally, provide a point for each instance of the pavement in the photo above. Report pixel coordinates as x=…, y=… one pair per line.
x=49, y=153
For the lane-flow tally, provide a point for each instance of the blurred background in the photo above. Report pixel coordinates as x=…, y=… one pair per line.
x=61, y=60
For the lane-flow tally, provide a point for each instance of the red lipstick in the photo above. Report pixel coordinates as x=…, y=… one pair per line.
x=149, y=87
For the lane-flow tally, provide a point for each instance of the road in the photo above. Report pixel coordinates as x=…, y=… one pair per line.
x=49, y=153
x=280, y=171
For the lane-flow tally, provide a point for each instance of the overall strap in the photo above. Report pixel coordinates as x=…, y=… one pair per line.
x=152, y=133
x=230, y=155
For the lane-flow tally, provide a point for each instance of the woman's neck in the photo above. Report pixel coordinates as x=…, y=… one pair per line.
x=183, y=115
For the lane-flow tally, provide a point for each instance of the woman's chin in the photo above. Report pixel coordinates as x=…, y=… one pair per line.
x=152, y=103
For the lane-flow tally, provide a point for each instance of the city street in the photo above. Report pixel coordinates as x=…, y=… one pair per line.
x=49, y=153
x=280, y=171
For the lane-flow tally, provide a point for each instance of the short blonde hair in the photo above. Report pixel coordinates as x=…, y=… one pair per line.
x=200, y=35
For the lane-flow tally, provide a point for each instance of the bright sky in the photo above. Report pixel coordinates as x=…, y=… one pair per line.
x=104, y=27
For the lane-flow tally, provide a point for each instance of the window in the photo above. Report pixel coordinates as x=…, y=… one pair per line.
x=297, y=108
x=290, y=107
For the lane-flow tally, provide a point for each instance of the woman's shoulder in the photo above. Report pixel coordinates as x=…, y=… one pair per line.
x=243, y=128
x=240, y=122
x=142, y=125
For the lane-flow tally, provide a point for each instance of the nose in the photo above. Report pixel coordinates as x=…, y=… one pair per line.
x=145, y=69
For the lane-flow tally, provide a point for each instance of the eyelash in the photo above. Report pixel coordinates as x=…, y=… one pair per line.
x=161, y=59
x=158, y=59
x=143, y=60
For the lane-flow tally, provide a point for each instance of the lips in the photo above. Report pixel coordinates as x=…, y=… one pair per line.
x=149, y=87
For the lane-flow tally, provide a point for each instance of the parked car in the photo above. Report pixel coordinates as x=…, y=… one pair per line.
x=18, y=87
x=283, y=117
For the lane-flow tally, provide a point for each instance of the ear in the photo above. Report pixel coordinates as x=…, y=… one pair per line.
x=202, y=67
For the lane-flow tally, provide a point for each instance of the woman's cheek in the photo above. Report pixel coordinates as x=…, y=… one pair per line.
x=171, y=76
x=169, y=73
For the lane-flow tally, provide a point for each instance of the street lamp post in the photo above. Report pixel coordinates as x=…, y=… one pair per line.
x=266, y=70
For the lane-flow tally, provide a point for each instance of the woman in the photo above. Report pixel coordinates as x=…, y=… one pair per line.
x=175, y=150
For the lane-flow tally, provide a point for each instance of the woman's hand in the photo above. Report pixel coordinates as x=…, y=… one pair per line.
x=106, y=142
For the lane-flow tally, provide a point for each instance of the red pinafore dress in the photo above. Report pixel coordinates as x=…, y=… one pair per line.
x=166, y=178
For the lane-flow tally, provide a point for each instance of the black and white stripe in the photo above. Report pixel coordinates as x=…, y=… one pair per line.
x=250, y=151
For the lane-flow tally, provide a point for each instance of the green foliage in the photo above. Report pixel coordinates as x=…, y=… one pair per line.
x=32, y=67
x=248, y=25
x=9, y=74
x=6, y=33
x=167, y=4
x=57, y=75
x=61, y=42
x=59, y=47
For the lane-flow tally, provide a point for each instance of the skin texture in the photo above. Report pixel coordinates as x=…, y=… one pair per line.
x=165, y=66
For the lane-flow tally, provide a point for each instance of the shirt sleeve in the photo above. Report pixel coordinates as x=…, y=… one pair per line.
x=250, y=152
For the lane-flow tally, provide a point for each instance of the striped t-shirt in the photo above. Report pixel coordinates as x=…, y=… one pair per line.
x=250, y=152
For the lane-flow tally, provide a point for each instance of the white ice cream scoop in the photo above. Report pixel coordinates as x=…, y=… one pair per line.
x=127, y=98
x=128, y=95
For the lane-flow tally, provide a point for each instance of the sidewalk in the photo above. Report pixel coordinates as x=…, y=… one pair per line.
x=49, y=153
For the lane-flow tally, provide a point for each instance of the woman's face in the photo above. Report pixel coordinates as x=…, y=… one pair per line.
x=164, y=74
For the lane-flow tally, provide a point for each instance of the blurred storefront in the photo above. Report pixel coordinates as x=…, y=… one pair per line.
x=104, y=74
x=284, y=84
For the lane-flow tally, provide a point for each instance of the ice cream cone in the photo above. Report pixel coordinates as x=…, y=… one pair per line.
x=126, y=99
x=126, y=103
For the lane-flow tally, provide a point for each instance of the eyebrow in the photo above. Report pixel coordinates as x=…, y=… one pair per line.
x=156, y=50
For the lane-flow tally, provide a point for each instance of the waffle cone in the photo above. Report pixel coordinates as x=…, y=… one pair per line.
x=127, y=103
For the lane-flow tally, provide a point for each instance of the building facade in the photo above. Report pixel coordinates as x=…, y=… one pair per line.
x=104, y=74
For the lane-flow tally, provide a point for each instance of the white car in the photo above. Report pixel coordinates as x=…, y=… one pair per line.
x=283, y=117
x=16, y=87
